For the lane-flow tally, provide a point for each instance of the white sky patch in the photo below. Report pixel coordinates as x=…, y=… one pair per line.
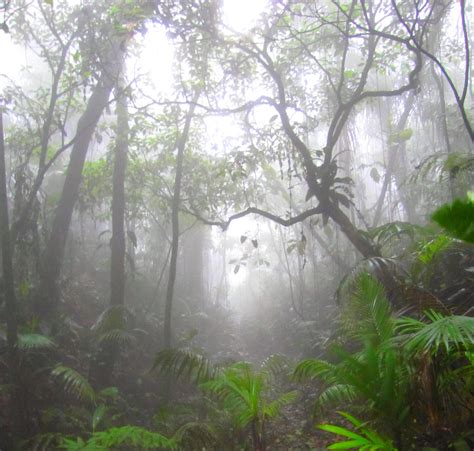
x=241, y=15
x=13, y=58
x=156, y=59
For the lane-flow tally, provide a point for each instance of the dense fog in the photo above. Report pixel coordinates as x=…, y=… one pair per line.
x=236, y=224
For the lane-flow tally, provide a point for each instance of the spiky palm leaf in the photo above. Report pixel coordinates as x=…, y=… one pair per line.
x=74, y=383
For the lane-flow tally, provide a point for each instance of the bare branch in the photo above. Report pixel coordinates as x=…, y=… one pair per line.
x=224, y=225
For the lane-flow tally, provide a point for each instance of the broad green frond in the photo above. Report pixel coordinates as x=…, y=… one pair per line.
x=457, y=218
x=28, y=342
x=448, y=332
x=185, y=364
x=74, y=383
x=364, y=439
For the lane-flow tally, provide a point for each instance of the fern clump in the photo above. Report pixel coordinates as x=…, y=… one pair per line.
x=131, y=437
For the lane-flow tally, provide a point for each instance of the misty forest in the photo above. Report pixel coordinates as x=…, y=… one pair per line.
x=236, y=225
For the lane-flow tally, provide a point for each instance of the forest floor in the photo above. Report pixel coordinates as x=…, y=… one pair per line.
x=296, y=429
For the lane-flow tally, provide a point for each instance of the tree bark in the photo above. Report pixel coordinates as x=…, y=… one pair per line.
x=54, y=252
x=18, y=422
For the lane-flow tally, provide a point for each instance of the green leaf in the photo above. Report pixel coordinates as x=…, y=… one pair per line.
x=341, y=431
x=458, y=218
x=349, y=444
x=349, y=73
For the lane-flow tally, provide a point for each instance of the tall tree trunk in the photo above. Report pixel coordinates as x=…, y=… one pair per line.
x=54, y=252
x=10, y=299
x=181, y=145
x=117, y=242
x=103, y=364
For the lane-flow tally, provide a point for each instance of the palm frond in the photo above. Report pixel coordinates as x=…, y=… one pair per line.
x=117, y=336
x=185, y=364
x=452, y=332
x=310, y=369
x=337, y=394
x=240, y=390
x=276, y=365
x=113, y=318
x=384, y=234
x=28, y=342
x=368, y=314
x=74, y=383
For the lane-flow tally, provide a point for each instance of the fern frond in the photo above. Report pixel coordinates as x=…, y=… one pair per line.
x=195, y=435
x=28, y=342
x=185, y=364
x=74, y=383
x=310, y=369
x=129, y=436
